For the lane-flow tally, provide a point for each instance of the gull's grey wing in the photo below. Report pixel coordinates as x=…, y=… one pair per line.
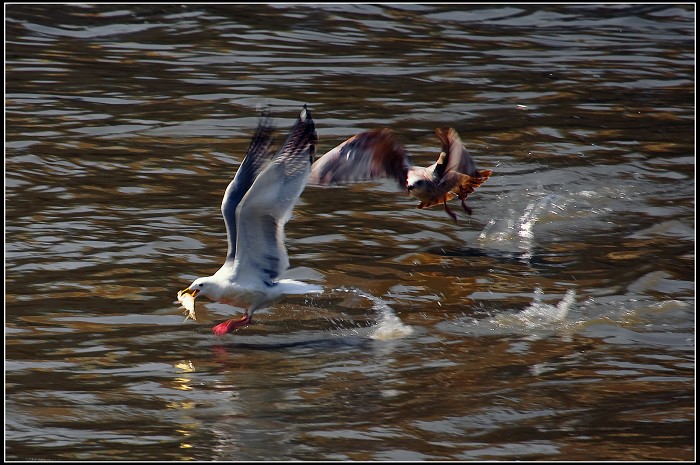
x=368, y=155
x=458, y=158
x=263, y=212
x=258, y=155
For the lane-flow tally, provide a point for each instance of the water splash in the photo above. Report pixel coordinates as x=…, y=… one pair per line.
x=388, y=325
x=517, y=229
x=540, y=314
x=532, y=213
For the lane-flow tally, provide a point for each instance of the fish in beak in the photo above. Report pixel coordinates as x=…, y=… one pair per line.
x=186, y=298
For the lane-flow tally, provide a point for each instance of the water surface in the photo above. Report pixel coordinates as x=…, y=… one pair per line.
x=555, y=323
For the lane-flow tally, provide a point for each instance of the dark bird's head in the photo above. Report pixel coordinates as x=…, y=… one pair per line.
x=419, y=182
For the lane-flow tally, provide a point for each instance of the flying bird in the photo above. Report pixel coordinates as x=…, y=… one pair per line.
x=256, y=206
x=378, y=154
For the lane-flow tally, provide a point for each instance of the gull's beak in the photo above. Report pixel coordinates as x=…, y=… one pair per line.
x=192, y=292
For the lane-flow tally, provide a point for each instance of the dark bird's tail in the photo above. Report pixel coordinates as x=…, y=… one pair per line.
x=469, y=183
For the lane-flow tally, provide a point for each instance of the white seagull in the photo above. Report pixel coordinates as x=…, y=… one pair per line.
x=256, y=206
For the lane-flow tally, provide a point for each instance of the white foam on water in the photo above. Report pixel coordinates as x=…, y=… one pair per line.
x=389, y=326
x=540, y=314
x=545, y=316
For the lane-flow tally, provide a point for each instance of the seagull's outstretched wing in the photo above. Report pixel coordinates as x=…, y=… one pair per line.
x=258, y=154
x=263, y=212
x=458, y=158
x=368, y=155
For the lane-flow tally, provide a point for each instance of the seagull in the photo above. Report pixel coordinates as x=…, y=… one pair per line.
x=256, y=206
x=377, y=154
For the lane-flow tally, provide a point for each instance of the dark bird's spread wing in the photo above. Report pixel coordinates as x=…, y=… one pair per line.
x=267, y=206
x=458, y=169
x=457, y=156
x=258, y=155
x=365, y=156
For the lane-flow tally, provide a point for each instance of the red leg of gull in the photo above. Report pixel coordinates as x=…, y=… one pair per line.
x=464, y=205
x=229, y=326
x=449, y=212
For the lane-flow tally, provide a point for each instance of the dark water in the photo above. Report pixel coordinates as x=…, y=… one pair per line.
x=556, y=323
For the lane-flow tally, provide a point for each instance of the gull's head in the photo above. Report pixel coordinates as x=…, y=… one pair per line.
x=199, y=286
x=204, y=286
x=210, y=286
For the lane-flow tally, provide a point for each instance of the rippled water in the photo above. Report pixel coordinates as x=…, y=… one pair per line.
x=556, y=323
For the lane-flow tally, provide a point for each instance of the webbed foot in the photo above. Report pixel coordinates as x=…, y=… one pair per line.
x=229, y=326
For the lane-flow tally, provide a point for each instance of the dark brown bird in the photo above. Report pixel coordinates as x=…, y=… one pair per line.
x=377, y=154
